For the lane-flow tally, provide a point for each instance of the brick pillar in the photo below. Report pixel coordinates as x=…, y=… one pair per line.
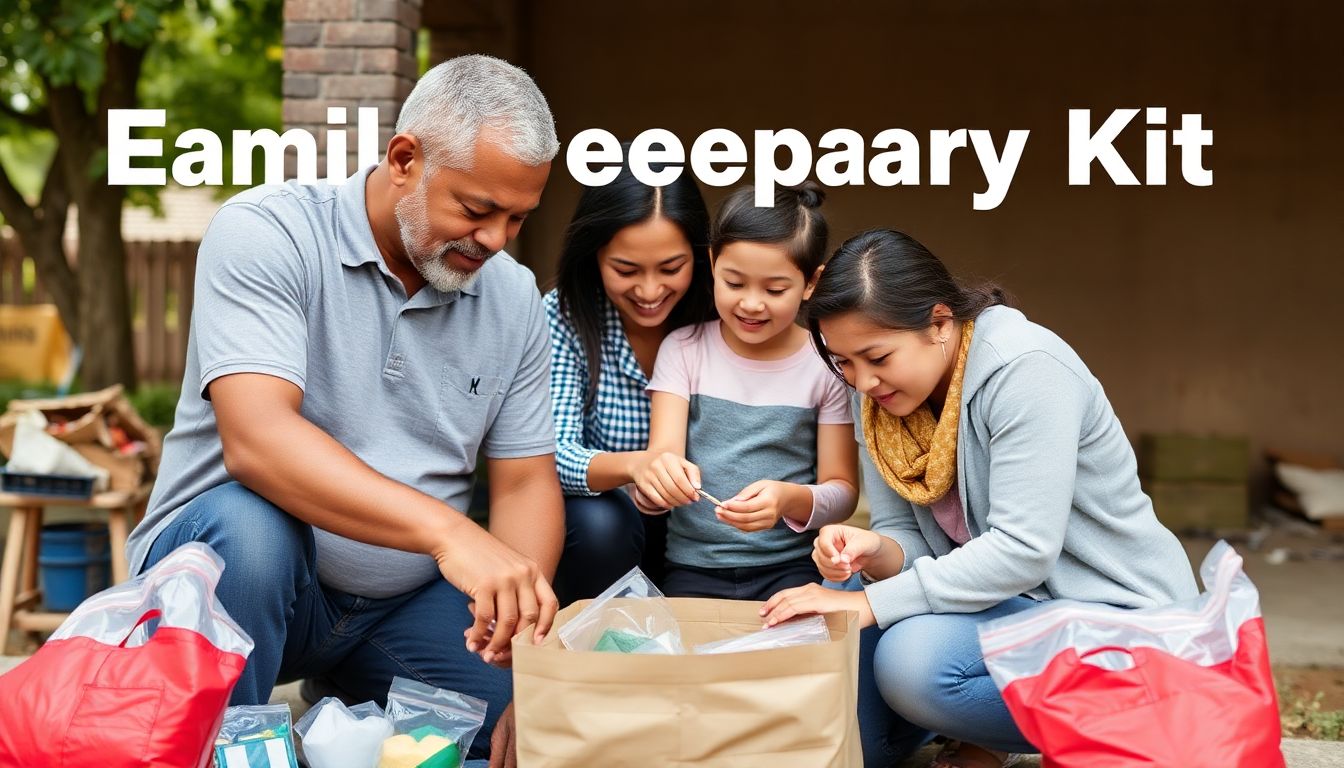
x=492, y=27
x=351, y=54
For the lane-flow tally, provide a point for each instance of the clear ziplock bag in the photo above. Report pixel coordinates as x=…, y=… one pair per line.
x=256, y=737
x=804, y=631
x=631, y=616
x=1188, y=684
x=434, y=727
x=335, y=736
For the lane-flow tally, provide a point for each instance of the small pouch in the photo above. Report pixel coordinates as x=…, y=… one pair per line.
x=433, y=727
x=256, y=737
x=631, y=616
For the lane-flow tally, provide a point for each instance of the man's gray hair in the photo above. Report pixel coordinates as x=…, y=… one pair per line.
x=455, y=101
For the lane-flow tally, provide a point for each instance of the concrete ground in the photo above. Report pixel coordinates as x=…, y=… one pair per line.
x=1298, y=753
x=1300, y=596
x=1299, y=574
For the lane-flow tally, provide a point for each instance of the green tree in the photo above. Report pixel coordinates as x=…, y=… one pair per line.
x=63, y=65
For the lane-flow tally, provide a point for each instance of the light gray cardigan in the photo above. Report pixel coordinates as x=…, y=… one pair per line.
x=1049, y=484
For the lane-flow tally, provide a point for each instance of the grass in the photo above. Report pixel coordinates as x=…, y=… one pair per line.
x=21, y=390
x=1311, y=702
x=1308, y=720
x=156, y=404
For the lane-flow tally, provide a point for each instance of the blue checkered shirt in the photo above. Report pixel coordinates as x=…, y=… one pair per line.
x=619, y=417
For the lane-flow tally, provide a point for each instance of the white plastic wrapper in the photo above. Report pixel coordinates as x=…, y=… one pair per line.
x=180, y=587
x=336, y=736
x=1202, y=630
x=631, y=616
x=805, y=631
x=38, y=453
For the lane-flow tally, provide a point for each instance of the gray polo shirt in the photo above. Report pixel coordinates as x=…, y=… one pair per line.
x=290, y=283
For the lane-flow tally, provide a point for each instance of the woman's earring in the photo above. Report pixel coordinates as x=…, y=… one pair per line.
x=944, y=343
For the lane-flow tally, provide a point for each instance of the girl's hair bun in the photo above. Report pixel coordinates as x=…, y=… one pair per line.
x=810, y=194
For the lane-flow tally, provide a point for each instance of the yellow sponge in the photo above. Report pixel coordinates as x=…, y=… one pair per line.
x=404, y=751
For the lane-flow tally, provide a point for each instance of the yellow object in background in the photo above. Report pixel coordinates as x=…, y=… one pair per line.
x=34, y=345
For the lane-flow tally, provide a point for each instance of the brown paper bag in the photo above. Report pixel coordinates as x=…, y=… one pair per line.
x=781, y=708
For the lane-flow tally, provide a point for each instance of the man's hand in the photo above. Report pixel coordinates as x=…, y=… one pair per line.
x=841, y=551
x=503, y=744
x=508, y=590
x=503, y=659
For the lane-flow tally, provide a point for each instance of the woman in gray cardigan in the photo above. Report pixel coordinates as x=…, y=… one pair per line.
x=998, y=476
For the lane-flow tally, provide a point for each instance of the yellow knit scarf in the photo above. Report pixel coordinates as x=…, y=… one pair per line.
x=917, y=454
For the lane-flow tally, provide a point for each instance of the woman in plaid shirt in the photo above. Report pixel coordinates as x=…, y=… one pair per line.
x=634, y=267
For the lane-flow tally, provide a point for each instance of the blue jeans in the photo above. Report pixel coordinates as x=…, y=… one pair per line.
x=302, y=629
x=887, y=738
x=606, y=536
x=930, y=670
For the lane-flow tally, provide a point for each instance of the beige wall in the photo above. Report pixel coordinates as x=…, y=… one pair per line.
x=1202, y=309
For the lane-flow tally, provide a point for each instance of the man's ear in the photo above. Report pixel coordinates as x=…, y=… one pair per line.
x=812, y=284
x=405, y=159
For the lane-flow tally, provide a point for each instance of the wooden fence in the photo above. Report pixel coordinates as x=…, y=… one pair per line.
x=160, y=276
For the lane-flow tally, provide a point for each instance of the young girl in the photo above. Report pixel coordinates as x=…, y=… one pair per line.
x=745, y=411
x=998, y=475
x=634, y=267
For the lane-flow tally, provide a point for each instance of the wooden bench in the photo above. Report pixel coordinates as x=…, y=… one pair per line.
x=19, y=592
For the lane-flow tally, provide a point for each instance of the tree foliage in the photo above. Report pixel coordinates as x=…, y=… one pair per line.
x=64, y=63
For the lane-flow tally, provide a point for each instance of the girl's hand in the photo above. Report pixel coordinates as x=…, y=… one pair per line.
x=667, y=480
x=759, y=506
x=644, y=505
x=841, y=551
x=816, y=599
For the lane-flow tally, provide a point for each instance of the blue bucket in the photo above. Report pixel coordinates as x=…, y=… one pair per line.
x=74, y=564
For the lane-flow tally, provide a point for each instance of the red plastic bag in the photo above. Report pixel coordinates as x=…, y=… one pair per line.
x=104, y=692
x=1186, y=685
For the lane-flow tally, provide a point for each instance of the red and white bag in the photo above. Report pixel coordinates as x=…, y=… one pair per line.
x=1187, y=684
x=105, y=693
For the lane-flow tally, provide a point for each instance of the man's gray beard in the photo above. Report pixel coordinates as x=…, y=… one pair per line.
x=413, y=223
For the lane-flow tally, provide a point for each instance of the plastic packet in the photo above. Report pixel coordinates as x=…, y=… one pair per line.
x=336, y=736
x=434, y=727
x=36, y=452
x=805, y=631
x=256, y=737
x=631, y=616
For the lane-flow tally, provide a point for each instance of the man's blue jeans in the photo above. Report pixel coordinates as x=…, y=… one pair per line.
x=302, y=629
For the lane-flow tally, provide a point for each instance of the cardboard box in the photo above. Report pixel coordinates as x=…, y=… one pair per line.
x=86, y=422
x=33, y=343
x=1178, y=457
x=1197, y=505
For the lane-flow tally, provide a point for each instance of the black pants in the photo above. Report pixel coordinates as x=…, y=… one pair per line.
x=605, y=536
x=759, y=583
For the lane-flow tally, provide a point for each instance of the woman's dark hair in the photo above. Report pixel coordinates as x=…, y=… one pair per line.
x=794, y=221
x=601, y=213
x=894, y=281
